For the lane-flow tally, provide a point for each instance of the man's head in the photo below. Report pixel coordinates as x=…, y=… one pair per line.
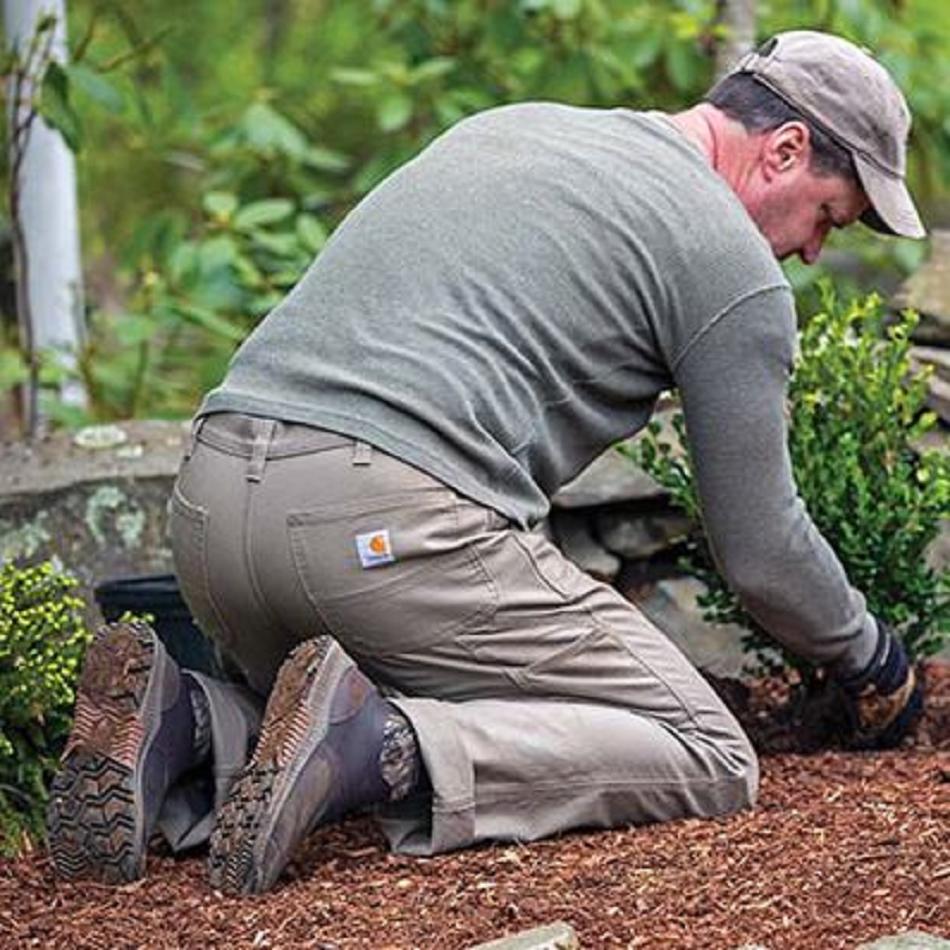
x=830, y=129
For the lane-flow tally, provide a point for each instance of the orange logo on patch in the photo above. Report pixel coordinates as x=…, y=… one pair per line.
x=375, y=548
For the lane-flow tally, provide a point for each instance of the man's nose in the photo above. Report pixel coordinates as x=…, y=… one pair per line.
x=811, y=251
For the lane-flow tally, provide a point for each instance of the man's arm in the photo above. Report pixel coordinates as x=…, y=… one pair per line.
x=732, y=379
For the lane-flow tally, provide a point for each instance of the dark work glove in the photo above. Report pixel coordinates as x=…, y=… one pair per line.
x=885, y=698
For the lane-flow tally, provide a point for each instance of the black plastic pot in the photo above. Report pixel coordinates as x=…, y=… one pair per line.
x=159, y=596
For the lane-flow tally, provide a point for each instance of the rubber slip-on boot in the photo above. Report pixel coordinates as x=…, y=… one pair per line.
x=132, y=736
x=317, y=759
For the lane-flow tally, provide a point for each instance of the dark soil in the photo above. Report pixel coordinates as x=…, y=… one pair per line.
x=843, y=848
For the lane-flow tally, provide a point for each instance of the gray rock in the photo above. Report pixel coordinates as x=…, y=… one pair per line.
x=559, y=936
x=939, y=396
x=671, y=606
x=612, y=477
x=573, y=533
x=928, y=291
x=910, y=940
x=637, y=536
x=935, y=356
x=98, y=509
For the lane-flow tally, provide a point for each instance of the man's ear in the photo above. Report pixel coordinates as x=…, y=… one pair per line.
x=785, y=148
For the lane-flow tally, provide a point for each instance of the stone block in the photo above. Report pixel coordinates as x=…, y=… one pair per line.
x=574, y=535
x=95, y=501
x=928, y=291
x=559, y=936
x=637, y=535
x=909, y=940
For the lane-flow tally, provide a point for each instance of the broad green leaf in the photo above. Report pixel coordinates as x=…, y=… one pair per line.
x=54, y=106
x=221, y=204
x=681, y=65
x=134, y=328
x=259, y=213
x=394, y=111
x=353, y=77
x=265, y=130
x=432, y=69
x=211, y=321
x=96, y=86
x=282, y=244
x=183, y=262
x=312, y=233
x=326, y=159
x=215, y=253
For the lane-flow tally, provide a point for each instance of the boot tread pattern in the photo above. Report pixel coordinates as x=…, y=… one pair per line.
x=91, y=818
x=231, y=863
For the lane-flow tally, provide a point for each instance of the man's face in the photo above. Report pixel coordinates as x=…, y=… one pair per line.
x=794, y=207
x=797, y=217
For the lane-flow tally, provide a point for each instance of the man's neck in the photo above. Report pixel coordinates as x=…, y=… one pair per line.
x=729, y=149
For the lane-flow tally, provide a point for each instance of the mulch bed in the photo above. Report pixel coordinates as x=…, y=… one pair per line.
x=842, y=848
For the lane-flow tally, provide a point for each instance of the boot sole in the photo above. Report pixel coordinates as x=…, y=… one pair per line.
x=295, y=721
x=94, y=818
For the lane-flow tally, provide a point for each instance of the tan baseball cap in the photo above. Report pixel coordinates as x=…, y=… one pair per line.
x=853, y=97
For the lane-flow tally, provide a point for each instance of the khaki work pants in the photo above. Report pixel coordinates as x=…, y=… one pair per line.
x=541, y=699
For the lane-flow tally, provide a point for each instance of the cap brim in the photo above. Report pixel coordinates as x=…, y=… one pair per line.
x=892, y=209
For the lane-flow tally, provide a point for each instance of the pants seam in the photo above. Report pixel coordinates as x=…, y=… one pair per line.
x=556, y=790
x=619, y=640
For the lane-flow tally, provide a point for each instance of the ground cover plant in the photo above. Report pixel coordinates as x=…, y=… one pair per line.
x=42, y=640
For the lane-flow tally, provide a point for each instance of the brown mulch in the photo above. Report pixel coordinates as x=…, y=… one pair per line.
x=842, y=848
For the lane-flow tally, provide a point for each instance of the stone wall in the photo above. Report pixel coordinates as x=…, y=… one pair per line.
x=96, y=502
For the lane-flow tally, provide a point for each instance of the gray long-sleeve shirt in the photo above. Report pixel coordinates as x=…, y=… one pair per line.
x=513, y=300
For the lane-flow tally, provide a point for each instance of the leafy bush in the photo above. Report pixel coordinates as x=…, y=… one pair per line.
x=195, y=301
x=42, y=638
x=856, y=423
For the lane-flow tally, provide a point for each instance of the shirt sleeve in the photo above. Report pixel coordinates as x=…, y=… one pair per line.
x=732, y=379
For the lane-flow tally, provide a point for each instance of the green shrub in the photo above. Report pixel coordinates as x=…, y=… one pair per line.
x=42, y=639
x=856, y=423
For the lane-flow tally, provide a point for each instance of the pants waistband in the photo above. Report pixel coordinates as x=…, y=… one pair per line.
x=248, y=436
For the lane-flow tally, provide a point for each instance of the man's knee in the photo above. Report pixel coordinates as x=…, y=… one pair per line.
x=743, y=767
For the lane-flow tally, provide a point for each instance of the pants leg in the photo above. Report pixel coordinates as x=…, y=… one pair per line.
x=565, y=708
x=541, y=699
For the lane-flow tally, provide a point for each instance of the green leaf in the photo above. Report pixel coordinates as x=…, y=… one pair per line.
x=215, y=253
x=326, y=159
x=353, y=77
x=432, y=69
x=281, y=244
x=266, y=131
x=260, y=213
x=312, y=233
x=96, y=86
x=394, y=111
x=54, y=106
x=13, y=369
x=211, y=321
x=220, y=204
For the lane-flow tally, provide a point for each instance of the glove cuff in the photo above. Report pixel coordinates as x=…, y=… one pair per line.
x=887, y=669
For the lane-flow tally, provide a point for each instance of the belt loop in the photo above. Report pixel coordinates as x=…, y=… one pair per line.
x=262, y=441
x=196, y=426
x=362, y=453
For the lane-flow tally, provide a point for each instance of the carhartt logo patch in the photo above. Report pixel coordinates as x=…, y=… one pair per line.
x=374, y=548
